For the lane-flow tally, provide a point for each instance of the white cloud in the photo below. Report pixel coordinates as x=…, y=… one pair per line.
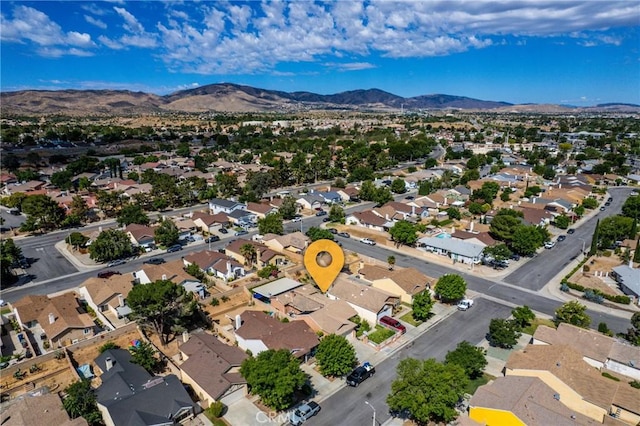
x=131, y=22
x=97, y=22
x=137, y=35
x=351, y=66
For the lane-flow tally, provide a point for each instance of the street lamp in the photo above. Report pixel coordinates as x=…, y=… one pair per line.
x=374, y=413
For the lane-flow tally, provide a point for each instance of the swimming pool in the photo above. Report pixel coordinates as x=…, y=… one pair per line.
x=443, y=235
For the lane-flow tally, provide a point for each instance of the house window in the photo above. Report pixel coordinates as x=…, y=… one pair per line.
x=87, y=331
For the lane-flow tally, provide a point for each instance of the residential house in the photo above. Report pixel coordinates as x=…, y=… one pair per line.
x=367, y=219
x=403, y=282
x=61, y=318
x=257, y=331
x=628, y=278
x=310, y=201
x=457, y=250
x=480, y=238
x=535, y=216
x=211, y=367
x=219, y=205
x=29, y=187
x=295, y=242
x=370, y=303
x=108, y=297
x=141, y=235
x=241, y=217
x=273, y=289
x=261, y=210
x=264, y=255
x=209, y=223
x=215, y=263
x=186, y=227
x=35, y=408
x=328, y=197
x=393, y=211
x=172, y=271
x=576, y=384
x=598, y=350
x=129, y=395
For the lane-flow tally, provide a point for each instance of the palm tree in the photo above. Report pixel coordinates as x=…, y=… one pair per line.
x=248, y=251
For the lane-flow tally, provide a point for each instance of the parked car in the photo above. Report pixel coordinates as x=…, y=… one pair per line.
x=326, y=219
x=368, y=241
x=562, y=238
x=570, y=231
x=549, y=244
x=515, y=256
x=344, y=234
x=189, y=239
x=465, y=304
x=174, y=248
x=296, y=219
x=609, y=200
x=154, y=261
x=107, y=274
x=393, y=324
x=224, y=231
x=241, y=232
x=321, y=213
x=603, y=208
x=304, y=413
x=212, y=239
x=334, y=231
x=499, y=264
x=360, y=374
x=409, y=197
x=116, y=263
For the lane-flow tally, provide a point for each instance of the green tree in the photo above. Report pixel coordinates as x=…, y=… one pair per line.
x=471, y=358
x=398, y=186
x=367, y=191
x=422, y=305
x=404, y=232
x=132, y=213
x=79, y=208
x=288, y=209
x=335, y=356
x=227, y=185
x=274, y=376
x=14, y=200
x=110, y=244
x=631, y=207
x=475, y=208
x=614, y=228
x=391, y=261
x=163, y=306
x=382, y=196
x=336, y=213
x=573, y=313
x=248, y=251
x=451, y=287
x=77, y=239
x=503, y=227
x=268, y=271
x=498, y=252
x=43, y=213
x=9, y=253
x=503, y=333
x=167, y=234
x=562, y=221
x=145, y=356
x=590, y=203
x=271, y=224
x=523, y=316
x=427, y=390
x=579, y=211
x=527, y=239
x=454, y=213
x=594, y=239
x=316, y=234
x=636, y=252
x=194, y=270
x=81, y=402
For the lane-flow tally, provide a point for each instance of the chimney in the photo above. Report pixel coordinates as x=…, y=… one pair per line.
x=120, y=300
x=228, y=266
x=471, y=227
x=52, y=318
x=164, y=277
x=238, y=321
x=185, y=336
x=99, y=228
x=108, y=363
x=413, y=210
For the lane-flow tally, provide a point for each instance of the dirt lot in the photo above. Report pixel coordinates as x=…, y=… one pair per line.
x=87, y=354
x=598, y=265
x=55, y=374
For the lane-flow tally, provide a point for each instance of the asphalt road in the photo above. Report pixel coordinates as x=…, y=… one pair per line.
x=347, y=405
x=537, y=272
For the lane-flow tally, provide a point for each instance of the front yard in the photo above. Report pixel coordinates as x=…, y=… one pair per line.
x=380, y=334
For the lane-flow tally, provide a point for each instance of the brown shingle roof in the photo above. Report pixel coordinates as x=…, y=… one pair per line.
x=205, y=258
x=102, y=290
x=410, y=280
x=484, y=237
x=139, y=232
x=589, y=343
x=37, y=410
x=369, y=218
x=369, y=298
x=172, y=271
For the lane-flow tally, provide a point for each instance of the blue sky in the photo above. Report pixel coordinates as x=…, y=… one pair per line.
x=563, y=52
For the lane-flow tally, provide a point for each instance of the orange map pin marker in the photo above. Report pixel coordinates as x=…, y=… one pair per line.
x=324, y=260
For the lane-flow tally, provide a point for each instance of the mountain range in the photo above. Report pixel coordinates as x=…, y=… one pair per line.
x=227, y=97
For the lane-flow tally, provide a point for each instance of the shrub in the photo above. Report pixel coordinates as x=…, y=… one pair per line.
x=606, y=253
x=214, y=302
x=216, y=409
x=592, y=296
x=224, y=298
x=635, y=384
x=586, y=268
x=609, y=376
x=564, y=287
x=107, y=346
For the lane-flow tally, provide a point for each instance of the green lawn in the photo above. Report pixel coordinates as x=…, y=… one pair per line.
x=408, y=318
x=476, y=383
x=5, y=310
x=380, y=335
x=535, y=323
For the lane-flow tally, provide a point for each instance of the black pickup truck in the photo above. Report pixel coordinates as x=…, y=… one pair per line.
x=360, y=374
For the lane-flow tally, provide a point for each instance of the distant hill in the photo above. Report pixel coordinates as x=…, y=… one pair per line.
x=227, y=97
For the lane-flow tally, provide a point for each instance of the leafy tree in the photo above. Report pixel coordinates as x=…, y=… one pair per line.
x=367, y=191
x=145, y=356
x=498, y=252
x=271, y=224
x=454, y=213
x=316, y=234
x=404, y=232
x=382, y=196
x=248, y=251
x=335, y=356
x=398, y=186
x=574, y=313
x=162, y=305
x=43, y=213
x=590, y=203
x=503, y=227
x=288, y=209
x=636, y=253
x=166, y=234
x=81, y=402
x=227, y=185
x=422, y=304
x=506, y=193
x=427, y=390
x=487, y=193
x=79, y=208
x=9, y=253
x=268, y=271
x=631, y=207
x=274, y=376
x=614, y=228
x=523, y=316
x=527, y=239
x=110, y=244
x=471, y=358
x=562, y=221
x=391, y=261
x=579, y=211
x=475, y=208
x=132, y=213
x=425, y=188
x=194, y=270
x=77, y=239
x=451, y=287
x=14, y=200
x=594, y=239
x=503, y=333
x=336, y=213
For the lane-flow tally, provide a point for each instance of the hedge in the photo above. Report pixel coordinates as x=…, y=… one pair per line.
x=618, y=298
